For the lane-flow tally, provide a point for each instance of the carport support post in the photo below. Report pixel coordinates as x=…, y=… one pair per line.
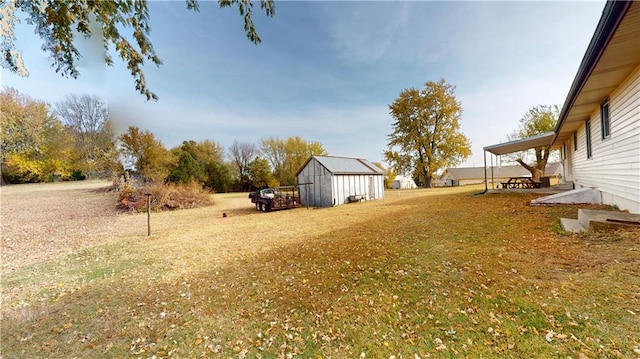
x=148, y=213
x=493, y=184
x=486, y=188
x=486, y=185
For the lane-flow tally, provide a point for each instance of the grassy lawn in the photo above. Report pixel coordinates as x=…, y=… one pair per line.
x=428, y=273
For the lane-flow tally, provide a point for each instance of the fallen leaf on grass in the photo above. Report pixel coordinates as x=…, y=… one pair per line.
x=439, y=344
x=549, y=336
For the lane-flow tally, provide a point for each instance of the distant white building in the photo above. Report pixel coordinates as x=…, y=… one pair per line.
x=403, y=182
x=327, y=181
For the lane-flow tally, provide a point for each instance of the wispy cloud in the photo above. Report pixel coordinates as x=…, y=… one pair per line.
x=365, y=32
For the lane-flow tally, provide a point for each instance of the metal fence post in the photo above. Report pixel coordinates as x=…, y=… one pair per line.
x=148, y=213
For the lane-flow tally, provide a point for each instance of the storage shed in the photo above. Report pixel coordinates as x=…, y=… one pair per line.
x=403, y=182
x=327, y=181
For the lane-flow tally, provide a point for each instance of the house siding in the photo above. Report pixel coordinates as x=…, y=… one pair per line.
x=614, y=166
x=568, y=159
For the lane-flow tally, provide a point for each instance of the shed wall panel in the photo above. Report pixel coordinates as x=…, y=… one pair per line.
x=317, y=175
x=338, y=188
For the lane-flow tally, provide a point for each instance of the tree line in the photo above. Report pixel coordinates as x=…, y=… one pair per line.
x=74, y=139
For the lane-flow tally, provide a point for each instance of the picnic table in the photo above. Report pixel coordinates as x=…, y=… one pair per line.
x=520, y=182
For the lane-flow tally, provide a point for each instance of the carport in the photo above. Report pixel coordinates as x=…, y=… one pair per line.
x=524, y=144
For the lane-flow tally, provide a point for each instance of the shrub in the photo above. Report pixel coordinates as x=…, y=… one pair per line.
x=77, y=175
x=163, y=197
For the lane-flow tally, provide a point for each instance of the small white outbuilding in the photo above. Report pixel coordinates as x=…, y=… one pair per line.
x=403, y=182
x=327, y=181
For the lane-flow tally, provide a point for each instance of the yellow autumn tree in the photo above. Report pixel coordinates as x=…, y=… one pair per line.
x=145, y=154
x=426, y=135
x=35, y=147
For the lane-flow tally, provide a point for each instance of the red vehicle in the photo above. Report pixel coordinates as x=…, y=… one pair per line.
x=275, y=198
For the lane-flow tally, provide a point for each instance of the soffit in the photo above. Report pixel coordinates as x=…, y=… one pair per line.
x=619, y=59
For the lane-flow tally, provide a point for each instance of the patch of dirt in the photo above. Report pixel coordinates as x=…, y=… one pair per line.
x=41, y=221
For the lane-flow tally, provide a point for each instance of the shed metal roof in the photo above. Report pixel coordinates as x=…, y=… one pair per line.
x=344, y=165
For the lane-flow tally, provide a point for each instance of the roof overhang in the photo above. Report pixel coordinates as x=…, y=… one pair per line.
x=613, y=53
x=522, y=144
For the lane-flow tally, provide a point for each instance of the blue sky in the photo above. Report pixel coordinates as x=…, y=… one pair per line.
x=327, y=71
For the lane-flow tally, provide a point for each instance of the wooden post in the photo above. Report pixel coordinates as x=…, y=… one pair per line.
x=148, y=213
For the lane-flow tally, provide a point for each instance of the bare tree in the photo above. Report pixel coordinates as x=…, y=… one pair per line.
x=87, y=117
x=242, y=154
x=273, y=149
x=286, y=156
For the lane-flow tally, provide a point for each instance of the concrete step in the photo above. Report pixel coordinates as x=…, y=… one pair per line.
x=593, y=219
x=572, y=225
x=611, y=225
x=614, y=218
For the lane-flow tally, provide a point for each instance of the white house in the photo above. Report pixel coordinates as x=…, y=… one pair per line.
x=327, y=181
x=598, y=129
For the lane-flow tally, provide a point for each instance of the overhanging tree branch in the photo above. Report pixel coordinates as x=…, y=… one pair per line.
x=59, y=22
